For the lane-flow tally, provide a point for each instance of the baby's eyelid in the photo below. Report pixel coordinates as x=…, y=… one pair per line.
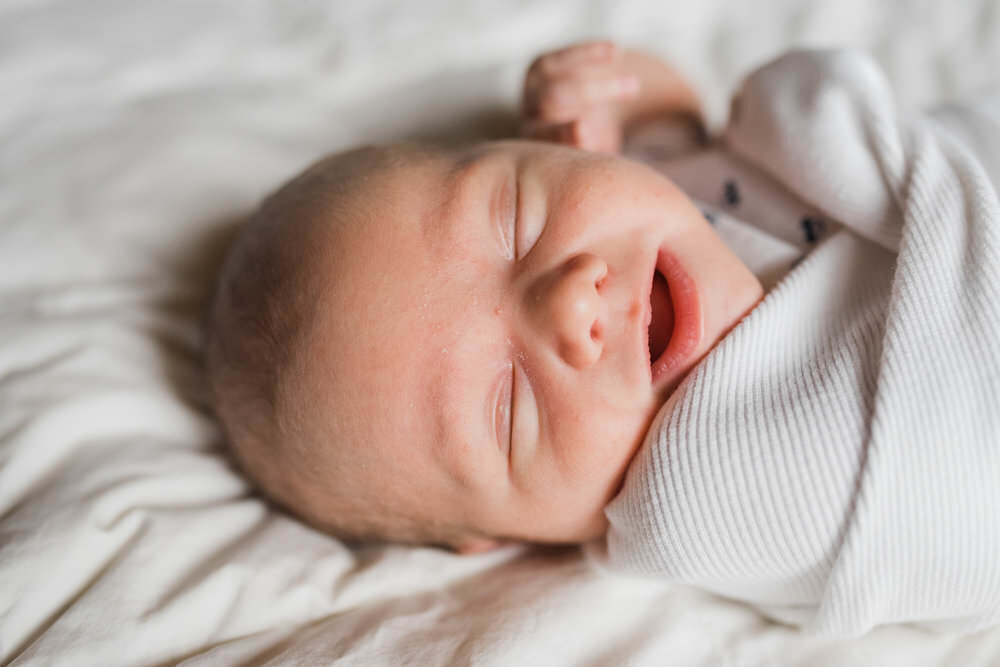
x=513, y=394
x=502, y=219
x=510, y=216
x=528, y=208
x=501, y=416
x=516, y=215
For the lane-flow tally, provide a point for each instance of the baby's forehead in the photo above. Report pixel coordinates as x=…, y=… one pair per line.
x=409, y=197
x=391, y=286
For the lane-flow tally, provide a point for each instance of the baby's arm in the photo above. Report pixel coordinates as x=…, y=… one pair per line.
x=591, y=95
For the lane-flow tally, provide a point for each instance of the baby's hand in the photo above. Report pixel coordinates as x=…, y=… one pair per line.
x=576, y=95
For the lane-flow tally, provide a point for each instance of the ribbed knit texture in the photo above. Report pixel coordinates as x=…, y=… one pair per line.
x=836, y=458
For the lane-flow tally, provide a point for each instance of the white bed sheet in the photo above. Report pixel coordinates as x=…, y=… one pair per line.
x=133, y=136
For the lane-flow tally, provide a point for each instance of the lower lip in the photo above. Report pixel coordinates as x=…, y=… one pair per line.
x=687, y=331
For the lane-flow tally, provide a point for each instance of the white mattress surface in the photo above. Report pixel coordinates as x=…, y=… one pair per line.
x=133, y=137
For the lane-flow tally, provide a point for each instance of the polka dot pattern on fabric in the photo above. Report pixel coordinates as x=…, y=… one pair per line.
x=731, y=193
x=812, y=228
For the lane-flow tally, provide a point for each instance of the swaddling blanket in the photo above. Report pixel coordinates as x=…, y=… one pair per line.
x=835, y=460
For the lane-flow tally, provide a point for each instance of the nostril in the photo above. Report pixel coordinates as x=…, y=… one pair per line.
x=595, y=332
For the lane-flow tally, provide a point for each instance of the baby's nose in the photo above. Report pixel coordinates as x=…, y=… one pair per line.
x=571, y=311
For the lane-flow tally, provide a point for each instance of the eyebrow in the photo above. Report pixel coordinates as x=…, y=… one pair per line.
x=459, y=180
x=453, y=452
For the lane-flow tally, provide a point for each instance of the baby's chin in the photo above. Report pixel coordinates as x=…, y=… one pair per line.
x=595, y=529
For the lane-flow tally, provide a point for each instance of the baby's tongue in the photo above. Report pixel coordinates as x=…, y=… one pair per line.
x=661, y=326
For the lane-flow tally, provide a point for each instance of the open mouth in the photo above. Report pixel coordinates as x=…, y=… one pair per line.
x=675, y=320
x=661, y=322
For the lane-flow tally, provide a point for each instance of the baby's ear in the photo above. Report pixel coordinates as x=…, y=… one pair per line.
x=468, y=546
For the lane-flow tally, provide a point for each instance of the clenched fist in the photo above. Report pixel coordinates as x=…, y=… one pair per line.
x=587, y=95
x=574, y=96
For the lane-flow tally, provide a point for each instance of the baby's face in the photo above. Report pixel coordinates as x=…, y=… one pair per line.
x=486, y=332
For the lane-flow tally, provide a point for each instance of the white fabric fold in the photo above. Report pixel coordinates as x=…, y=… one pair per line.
x=835, y=460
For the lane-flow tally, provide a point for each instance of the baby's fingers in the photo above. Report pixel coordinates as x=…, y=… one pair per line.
x=569, y=97
x=559, y=62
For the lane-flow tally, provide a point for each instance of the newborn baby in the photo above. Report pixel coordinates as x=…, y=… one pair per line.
x=520, y=341
x=465, y=345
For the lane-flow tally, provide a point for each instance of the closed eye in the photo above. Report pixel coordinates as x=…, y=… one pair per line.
x=515, y=212
x=506, y=216
x=510, y=411
x=503, y=409
x=530, y=211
